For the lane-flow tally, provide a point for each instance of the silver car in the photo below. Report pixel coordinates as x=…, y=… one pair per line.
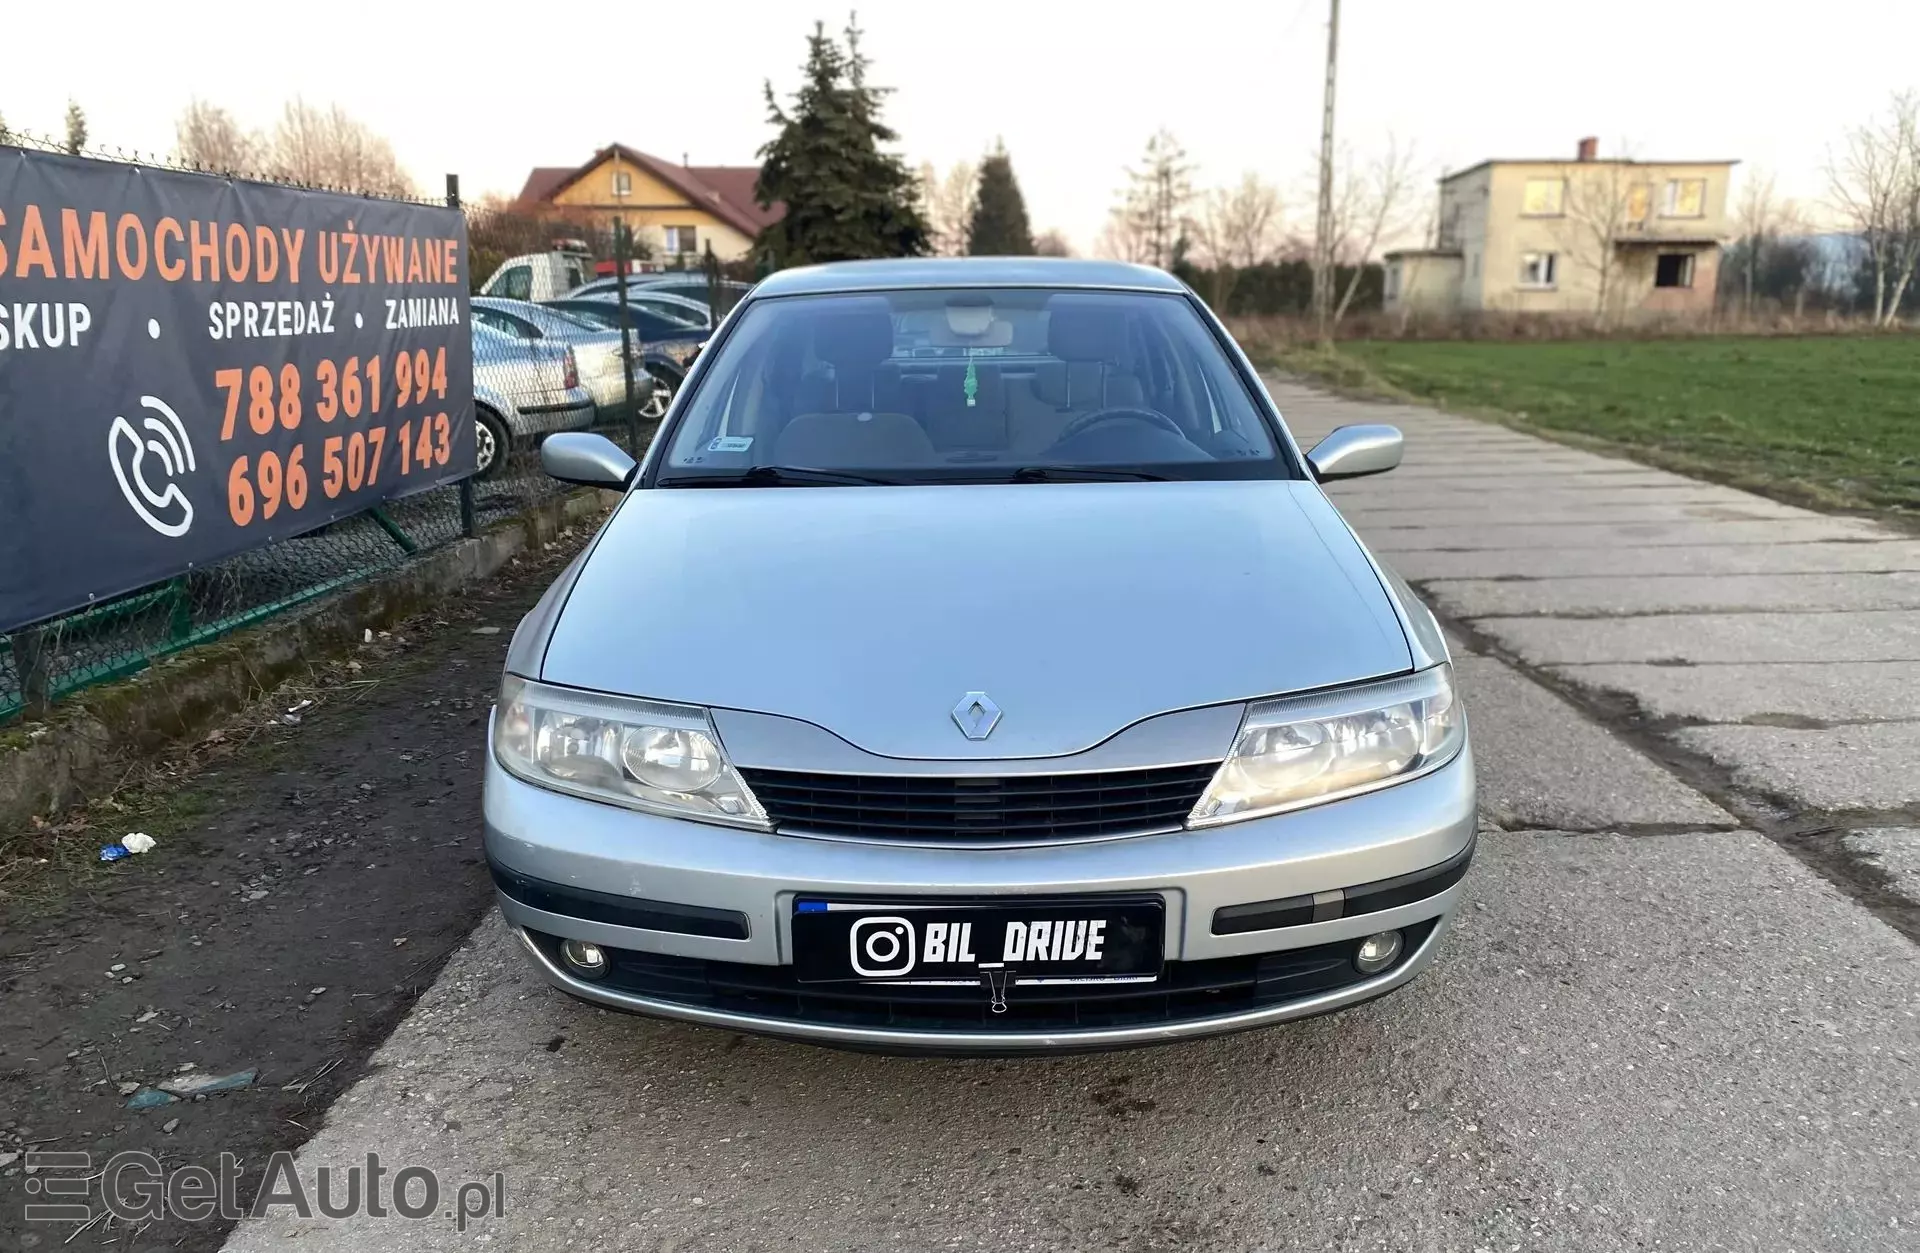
x=975, y=665
x=522, y=389
x=597, y=351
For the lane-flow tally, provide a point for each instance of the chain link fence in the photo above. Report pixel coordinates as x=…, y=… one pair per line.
x=568, y=374
x=120, y=637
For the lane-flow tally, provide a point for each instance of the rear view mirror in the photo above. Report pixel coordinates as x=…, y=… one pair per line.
x=586, y=459
x=1351, y=451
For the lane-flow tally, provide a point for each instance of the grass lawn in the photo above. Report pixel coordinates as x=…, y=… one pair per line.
x=1832, y=421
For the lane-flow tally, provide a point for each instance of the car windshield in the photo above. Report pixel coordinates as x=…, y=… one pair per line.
x=599, y=319
x=938, y=385
x=694, y=319
x=571, y=321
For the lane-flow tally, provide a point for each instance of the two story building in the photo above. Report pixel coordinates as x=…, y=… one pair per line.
x=1598, y=236
x=679, y=210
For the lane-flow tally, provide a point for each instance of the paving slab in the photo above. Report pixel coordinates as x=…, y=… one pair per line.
x=1682, y=992
x=1543, y=764
x=1387, y=492
x=1616, y=482
x=1540, y=563
x=1704, y=593
x=1845, y=691
x=1895, y=850
x=1574, y=535
x=1869, y=766
x=1549, y=510
x=1529, y=464
x=1870, y=635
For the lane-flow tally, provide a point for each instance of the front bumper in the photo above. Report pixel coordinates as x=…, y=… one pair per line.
x=1405, y=830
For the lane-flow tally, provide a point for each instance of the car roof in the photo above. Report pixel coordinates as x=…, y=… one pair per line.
x=912, y=272
x=637, y=293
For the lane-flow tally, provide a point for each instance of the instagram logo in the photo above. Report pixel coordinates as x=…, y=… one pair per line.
x=882, y=947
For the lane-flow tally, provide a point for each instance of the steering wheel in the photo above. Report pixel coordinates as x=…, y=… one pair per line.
x=1119, y=413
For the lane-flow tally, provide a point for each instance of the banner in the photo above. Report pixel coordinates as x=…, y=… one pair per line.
x=194, y=366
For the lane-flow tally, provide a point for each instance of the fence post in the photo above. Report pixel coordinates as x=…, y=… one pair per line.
x=30, y=659
x=180, y=615
x=622, y=250
x=467, y=527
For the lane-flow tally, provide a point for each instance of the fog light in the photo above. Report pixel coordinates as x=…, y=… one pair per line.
x=589, y=962
x=1377, y=952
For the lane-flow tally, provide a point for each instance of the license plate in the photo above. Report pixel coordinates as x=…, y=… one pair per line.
x=836, y=941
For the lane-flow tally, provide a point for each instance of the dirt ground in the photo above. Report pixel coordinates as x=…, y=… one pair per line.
x=308, y=883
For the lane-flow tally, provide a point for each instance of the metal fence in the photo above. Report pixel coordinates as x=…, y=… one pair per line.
x=526, y=387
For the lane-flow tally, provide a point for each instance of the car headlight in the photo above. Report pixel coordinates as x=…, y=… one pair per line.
x=647, y=755
x=1302, y=750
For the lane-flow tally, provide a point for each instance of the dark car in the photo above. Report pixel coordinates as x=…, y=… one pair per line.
x=689, y=285
x=668, y=341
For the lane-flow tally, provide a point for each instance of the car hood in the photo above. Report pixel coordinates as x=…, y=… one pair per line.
x=871, y=611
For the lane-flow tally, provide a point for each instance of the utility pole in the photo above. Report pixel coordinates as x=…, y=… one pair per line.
x=1323, y=225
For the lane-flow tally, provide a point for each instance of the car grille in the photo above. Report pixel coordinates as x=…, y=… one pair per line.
x=1185, y=991
x=1032, y=808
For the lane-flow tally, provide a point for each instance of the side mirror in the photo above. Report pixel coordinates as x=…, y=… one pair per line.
x=587, y=459
x=1351, y=451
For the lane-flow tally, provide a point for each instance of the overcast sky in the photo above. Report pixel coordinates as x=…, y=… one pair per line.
x=1074, y=89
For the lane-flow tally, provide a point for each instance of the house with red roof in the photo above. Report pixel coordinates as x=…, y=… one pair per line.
x=678, y=210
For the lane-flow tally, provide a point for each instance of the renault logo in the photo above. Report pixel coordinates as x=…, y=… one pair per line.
x=976, y=715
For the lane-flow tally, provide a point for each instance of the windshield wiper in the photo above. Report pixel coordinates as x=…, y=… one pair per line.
x=779, y=476
x=1081, y=474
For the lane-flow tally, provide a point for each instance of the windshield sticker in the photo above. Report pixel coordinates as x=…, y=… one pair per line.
x=731, y=443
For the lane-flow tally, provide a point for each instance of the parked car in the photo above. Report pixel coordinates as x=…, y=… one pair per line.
x=523, y=389
x=1036, y=699
x=686, y=285
x=539, y=275
x=669, y=340
x=596, y=349
x=664, y=305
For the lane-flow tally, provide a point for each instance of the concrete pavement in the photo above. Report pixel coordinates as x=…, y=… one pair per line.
x=1681, y=1008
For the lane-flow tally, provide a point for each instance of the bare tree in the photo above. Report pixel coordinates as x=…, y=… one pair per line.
x=1875, y=184
x=1155, y=201
x=326, y=147
x=1253, y=220
x=1373, y=203
x=1600, y=199
x=948, y=201
x=1123, y=239
x=1755, y=218
x=207, y=135
x=1238, y=226
x=1051, y=244
x=1209, y=231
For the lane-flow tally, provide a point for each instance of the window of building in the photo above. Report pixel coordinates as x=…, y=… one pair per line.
x=622, y=183
x=680, y=239
x=1393, y=280
x=1639, y=202
x=1537, y=269
x=1685, y=198
x=1473, y=266
x=1544, y=198
x=1673, y=269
